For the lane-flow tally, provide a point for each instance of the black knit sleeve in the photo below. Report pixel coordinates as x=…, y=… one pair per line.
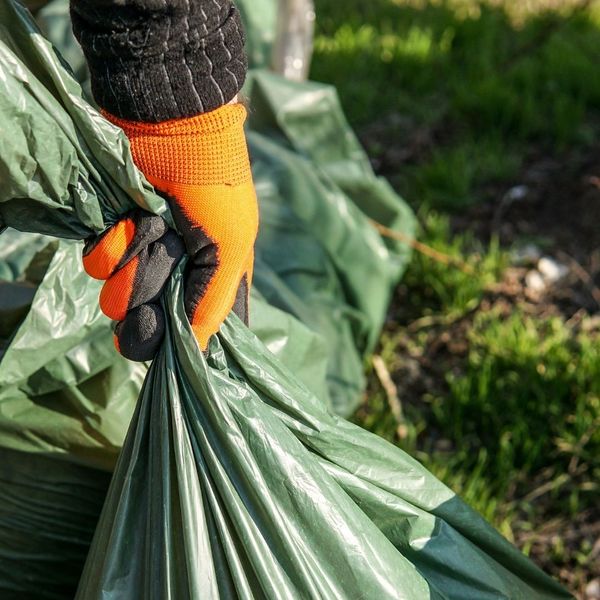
x=155, y=60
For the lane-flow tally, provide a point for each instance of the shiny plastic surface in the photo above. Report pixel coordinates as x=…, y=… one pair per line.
x=236, y=482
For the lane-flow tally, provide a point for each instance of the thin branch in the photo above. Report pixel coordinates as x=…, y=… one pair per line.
x=583, y=276
x=391, y=392
x=424, y=249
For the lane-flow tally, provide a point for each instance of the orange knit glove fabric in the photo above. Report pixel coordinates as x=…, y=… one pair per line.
x=201, y=165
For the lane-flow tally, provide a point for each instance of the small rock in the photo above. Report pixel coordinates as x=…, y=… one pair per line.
x=529, y=254
x=592, y=590
x=535, y=282
x=516, y=193
x=551, y=270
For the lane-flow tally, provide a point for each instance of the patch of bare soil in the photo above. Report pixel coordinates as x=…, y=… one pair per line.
x=552, y=211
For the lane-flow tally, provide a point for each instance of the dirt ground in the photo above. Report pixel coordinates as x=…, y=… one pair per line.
x=555, y=203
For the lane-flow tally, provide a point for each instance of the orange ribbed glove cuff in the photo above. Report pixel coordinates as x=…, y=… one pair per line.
x=208, y=149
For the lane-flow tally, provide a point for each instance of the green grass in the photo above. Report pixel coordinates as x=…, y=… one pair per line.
x=512, y=421
x=451, y=174
x=435, y=288
x=501, y=402
x=526, y=396
x=490, y=79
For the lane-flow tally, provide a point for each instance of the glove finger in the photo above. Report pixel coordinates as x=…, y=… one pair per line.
x=139, y=335
x=105, y=254
x=142, y=279
x=241, y=306
x=211, y=291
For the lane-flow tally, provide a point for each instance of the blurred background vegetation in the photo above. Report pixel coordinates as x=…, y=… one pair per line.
x=485, y=116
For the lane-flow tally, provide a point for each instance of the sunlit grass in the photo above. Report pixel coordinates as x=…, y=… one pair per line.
x=489, y=75
x=519, y=410
x=511, y=421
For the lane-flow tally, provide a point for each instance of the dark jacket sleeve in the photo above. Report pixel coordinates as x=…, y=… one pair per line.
x=156, y=60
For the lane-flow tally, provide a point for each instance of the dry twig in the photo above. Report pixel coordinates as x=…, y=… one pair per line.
x=391, y=392
x=424, y=249
x=583, y=276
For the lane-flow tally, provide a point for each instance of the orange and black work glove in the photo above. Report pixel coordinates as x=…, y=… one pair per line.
x=201, y=165
x=166, y=72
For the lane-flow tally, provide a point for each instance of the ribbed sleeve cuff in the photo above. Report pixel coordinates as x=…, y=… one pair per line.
x=156, y=61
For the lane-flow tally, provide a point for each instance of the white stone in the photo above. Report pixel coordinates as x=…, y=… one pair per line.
x=519, y=192
x=535, y=282
x=592, y=591
x=551, y=270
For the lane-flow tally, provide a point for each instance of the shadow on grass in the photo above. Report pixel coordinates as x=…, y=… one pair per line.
x=474, y=83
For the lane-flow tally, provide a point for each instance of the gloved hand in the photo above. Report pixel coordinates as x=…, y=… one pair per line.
x=135, y=257
x=201, y=165
x=165, y=72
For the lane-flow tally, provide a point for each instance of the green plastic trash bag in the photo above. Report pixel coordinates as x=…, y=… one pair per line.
x=260, y=21
x=66, y=399
x=48, y=514
x=235, y=480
